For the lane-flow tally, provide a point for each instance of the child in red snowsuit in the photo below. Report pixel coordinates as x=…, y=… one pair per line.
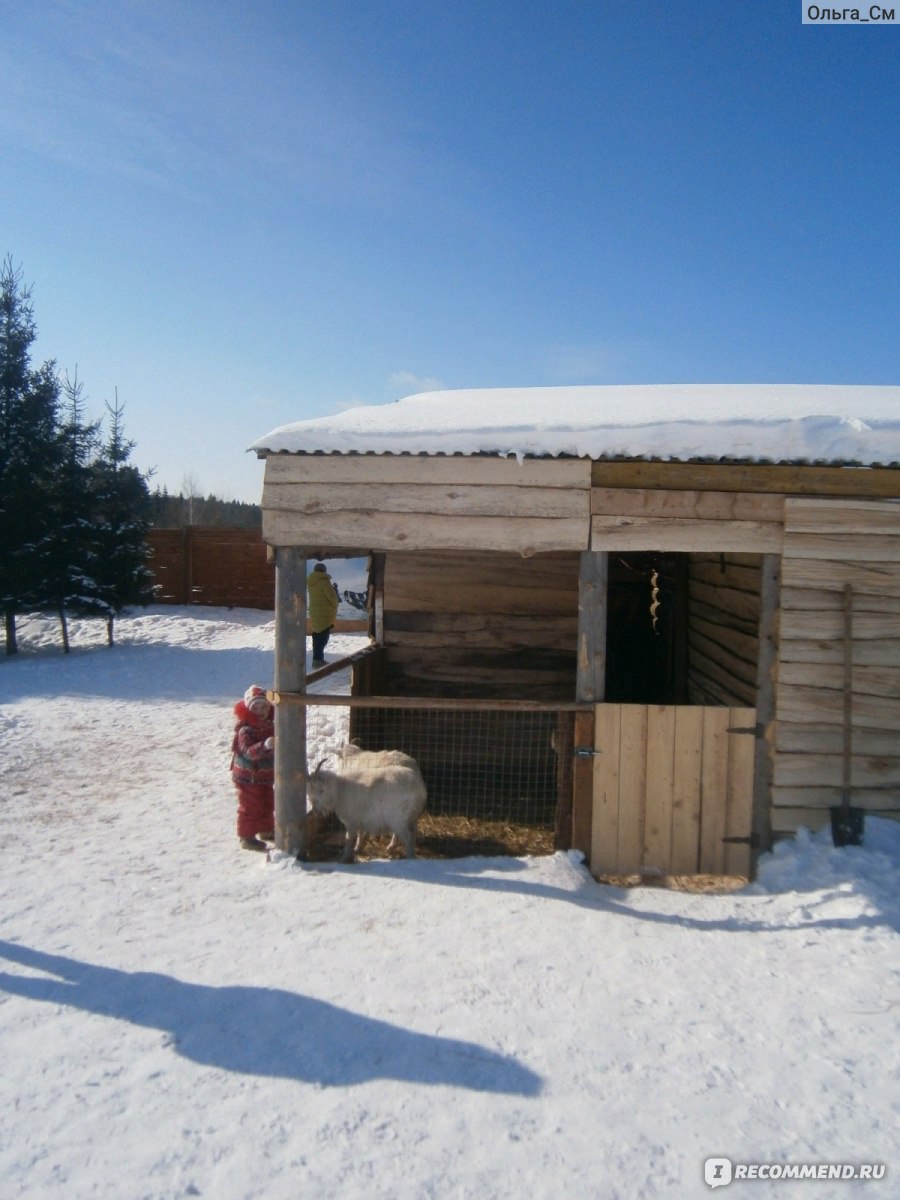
x=253, y=768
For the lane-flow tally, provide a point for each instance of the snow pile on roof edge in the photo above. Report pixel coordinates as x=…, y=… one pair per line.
x=761, y=423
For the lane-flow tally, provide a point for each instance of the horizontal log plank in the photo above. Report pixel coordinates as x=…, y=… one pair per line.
x=829, y=739
x=871, y=799
x=312, y=700
x=451, y=624
x=500, y=634
x=714, y=506
x=826, y=770
x=398, y=531
x=719, y=617
x=482, y=582
x=821, y=705
x=740, y=650
x=429, y=469
x=829, y=626
x=740, y=606
x=801, y=479
x=718, y=571
x=708, y=674
x=447, y=500
x=875, y=578
x=812, y=599
x=842, y=517
x=683, y=534
x=880, y=680
x=878, y=652
x=862, y=546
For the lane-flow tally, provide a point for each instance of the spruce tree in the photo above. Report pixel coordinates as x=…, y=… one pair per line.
x=29, y=452
x=121, y=503
x=67, y=550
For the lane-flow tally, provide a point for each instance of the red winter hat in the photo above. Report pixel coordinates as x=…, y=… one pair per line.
x=254, y=692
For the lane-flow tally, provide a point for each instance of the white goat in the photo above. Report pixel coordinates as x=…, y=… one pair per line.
x=357, y=757
x=375, y=797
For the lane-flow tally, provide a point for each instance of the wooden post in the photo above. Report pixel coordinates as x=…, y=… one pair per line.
x=376, y=601
x=592, y=588
x=290, y=720
x=583, y=785
x=564, y=745
x=590, y=687
x=185, y=595
x=766, y=678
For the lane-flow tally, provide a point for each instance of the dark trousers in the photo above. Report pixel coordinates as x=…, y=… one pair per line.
x=320, y=641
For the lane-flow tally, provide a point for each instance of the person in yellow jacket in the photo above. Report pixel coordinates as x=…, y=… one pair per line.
x=323, y=606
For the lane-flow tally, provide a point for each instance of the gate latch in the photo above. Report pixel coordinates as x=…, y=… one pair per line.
x=752, y=840
x=586, y=751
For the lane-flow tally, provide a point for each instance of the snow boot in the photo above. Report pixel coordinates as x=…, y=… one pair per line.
x=253, y=844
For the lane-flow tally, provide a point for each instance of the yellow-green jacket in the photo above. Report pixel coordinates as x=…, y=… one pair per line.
x=323, y=601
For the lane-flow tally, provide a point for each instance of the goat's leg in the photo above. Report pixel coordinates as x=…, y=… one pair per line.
x=350, y=846
x=409, y=841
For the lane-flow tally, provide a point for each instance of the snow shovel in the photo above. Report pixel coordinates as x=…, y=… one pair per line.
x=847, y=824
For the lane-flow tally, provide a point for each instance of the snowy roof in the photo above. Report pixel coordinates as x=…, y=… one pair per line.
x=760, y=422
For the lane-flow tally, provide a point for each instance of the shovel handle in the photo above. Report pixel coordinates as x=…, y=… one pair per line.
x=848, y=695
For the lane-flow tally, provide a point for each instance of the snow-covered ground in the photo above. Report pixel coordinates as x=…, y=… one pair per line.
x=180, y=1018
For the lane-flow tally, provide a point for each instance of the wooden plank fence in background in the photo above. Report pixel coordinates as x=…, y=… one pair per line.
x=220, y=567
x=214, y=566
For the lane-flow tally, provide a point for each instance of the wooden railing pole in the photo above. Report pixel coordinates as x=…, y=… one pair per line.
x=290, y=720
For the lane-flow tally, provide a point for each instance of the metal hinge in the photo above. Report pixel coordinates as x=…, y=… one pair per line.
x=757, y=730
x=585, y=751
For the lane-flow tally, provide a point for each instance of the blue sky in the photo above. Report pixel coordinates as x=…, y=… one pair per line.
x=241, y=215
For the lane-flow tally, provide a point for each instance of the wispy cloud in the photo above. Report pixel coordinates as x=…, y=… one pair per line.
x=407, y=383
x=194, y=100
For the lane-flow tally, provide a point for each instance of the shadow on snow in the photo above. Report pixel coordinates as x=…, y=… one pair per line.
x=265, y=1031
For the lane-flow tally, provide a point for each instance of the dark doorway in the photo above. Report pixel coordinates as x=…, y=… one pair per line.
x=646, y=632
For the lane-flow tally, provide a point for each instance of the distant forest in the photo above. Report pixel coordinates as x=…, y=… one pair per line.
x=172, y=512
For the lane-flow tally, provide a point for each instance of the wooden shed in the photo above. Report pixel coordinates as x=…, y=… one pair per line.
x=693, y=592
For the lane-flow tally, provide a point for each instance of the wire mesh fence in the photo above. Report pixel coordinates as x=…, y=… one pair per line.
x=480, y=765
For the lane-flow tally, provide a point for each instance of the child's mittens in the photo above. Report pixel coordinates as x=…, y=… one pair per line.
x=269, y=744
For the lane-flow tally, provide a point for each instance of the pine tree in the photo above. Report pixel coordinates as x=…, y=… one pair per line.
x=67, y=551
x=121, y=501
x=29, y=452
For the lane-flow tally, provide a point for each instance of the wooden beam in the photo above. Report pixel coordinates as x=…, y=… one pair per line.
x=290, y=722
x=766, y=683
x=851, y=517
x=437, y=703
x=713, y=506
x=444, y=499
x=873, y=577
x=427, y=531
x=799, y=479
x=590, y=686
x=625, y=533
x=429, y=469
x=582, y=785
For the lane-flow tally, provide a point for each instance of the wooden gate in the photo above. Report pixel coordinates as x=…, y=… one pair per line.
x=671, y=785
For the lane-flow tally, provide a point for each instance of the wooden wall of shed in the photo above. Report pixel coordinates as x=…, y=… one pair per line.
x=481, y=624
x=829, y=543
x=723, y=628
x=419, y=502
